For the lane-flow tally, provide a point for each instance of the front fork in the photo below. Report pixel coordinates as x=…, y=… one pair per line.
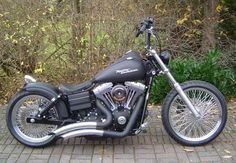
x=174, y=83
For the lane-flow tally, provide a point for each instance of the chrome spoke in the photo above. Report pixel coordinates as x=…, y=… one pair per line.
x=190, y=127
x=25, y=107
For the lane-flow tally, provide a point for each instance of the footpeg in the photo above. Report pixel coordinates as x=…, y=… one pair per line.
x=142, y=128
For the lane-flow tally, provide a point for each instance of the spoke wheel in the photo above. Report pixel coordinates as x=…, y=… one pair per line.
x=180, y=122
x=189, y=127
x=25, y=105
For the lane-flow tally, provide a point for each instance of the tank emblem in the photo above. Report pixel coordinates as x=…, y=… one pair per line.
x=125, y=71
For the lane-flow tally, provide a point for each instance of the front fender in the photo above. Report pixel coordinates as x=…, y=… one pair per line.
x=51, y=90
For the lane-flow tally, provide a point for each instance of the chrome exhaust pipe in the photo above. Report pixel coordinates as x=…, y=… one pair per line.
x=87, y=125
x=85, y=132
x=95, y=132
x=75, y=126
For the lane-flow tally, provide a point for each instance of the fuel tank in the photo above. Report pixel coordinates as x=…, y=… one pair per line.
x=130, y=67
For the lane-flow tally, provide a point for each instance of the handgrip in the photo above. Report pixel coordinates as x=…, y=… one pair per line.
x=141, y=29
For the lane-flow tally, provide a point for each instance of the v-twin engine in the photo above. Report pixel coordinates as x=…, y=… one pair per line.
x=119, y=95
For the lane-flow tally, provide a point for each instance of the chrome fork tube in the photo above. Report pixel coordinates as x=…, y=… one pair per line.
x=175, y=83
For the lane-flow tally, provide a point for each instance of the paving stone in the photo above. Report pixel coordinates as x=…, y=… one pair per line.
x=169, y=148
x=97, y=159
x=124, y=160
x=23, y=158
x=154, y=146
x=208, y=153
x=147, y=160
x=82, y=157
x=4, y=155
x=118, y=149
x=123, y=156
x=37, y=161
x=210, y=158
x=148, y=139
x=2, y=147
x=57, y=149
x=54, y=158
x=109, y=141
x=8, y=140
x=141, y=140
x=27, y=150
x=71, y=141
x=37, y=151
x=68, y=149
x=88, y=149
x=142, y=156
x=159, y=148
x=107, y=159
x=39, y=156
x=12, y=158
x=78, y=149
x=65, y=158
x=47, y=150
x=182, y=157
x=77, y=140
x=193, y=157
x=18, y=149
x=8, y=148
x=144, y=149
x=128, y=149
x=79, y=161
x=2, y=160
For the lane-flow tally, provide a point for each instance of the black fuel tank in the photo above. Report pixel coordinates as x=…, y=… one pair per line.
x=128, y=68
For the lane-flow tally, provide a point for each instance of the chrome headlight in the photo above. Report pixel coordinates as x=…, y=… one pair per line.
x=165, y=56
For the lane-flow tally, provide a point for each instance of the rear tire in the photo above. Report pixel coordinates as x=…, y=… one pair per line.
x=29, y=134
x=180, y=123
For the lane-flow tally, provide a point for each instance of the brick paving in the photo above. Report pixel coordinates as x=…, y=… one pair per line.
x=153, y=146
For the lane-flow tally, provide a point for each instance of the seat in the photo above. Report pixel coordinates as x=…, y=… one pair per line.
x=71, y=88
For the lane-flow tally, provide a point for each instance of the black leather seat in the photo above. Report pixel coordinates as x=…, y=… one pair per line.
x=71, y=88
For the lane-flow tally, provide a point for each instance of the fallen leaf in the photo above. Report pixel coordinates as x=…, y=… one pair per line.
x=188, y=150
x=227, y=156
x=226, y=151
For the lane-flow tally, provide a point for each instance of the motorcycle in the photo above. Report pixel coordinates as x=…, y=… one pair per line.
x=114, y=103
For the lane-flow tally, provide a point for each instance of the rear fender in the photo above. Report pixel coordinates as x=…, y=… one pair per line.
x=46, y=88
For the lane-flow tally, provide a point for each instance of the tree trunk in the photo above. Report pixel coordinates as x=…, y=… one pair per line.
x=75, y=4
x=210, y=24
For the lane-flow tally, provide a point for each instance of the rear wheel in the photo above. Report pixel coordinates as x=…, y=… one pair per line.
x=183, y=126
x=23, y=105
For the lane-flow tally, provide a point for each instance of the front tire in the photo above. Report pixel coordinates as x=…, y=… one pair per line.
x=180, y=123
x=30, y=134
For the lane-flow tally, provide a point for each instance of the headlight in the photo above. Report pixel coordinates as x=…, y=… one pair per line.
x=165, y=56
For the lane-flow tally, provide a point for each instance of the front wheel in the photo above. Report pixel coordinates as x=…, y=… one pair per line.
x=183, y=126
x=26, y=104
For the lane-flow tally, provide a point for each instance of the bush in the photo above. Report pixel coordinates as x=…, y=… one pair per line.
x=207, y=69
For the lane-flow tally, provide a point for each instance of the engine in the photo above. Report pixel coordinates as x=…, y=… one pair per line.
x=120, y=98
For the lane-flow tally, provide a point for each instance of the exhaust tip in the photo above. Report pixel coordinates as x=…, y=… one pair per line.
x=84, y=132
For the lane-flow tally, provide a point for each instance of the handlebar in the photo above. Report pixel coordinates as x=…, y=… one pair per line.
x=146, y=24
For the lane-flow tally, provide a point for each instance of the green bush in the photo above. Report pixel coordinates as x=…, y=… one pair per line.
x=207, y=69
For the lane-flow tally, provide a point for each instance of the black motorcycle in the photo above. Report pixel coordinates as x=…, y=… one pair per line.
x=114, y=103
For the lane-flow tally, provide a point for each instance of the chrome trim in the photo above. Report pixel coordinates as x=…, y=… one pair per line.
x=101, y=88
x=85, y=132
x=175, y=83
x=29, y=79
x=74, y=126
x=136, y=85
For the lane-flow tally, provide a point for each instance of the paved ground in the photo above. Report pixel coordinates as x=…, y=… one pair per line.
x=153, y=146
